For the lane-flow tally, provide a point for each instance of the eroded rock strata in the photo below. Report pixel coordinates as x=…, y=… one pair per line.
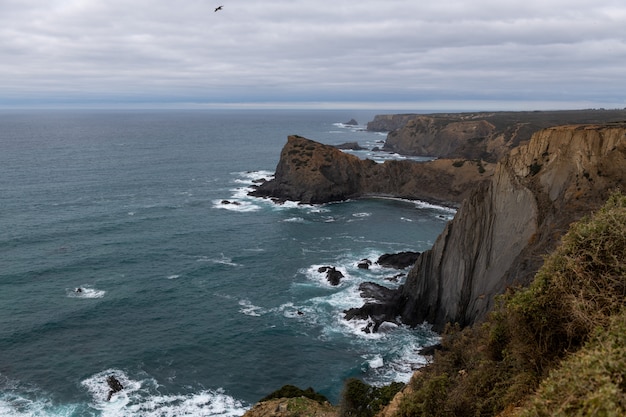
x=501, y=232
x=483, y=135
x=311, y=173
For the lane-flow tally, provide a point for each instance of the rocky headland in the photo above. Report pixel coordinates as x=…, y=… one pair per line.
x=510, y=217
x=502, y=230
x=312, y=173
x=512, y=212
x=483, y=135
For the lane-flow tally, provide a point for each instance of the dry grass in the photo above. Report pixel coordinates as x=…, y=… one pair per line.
x=575, y=297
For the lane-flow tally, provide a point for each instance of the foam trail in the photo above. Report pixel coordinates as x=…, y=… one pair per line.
x=85, y=292
x=142, y=398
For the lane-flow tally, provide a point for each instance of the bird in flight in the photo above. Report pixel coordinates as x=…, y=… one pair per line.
x=218, y=8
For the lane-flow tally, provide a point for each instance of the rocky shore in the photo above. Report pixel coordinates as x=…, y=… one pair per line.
x=511, y=213
x=312, y=173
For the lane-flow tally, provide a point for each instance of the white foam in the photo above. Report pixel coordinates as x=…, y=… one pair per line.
x=294, y=220
x=173, y=276
x=313, y=274
x=222, y=260
x=361, y=214
x=142, y=398
x=250, y=309
x=376, y=362
x=84, y=292
x=425, y=205
x=236, y=204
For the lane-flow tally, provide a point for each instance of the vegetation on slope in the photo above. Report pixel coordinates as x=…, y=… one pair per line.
x=572, y=314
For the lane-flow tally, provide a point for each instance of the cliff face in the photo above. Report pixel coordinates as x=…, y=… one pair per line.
x=487, y=136
x=311, y=172
x=389, y=122
x=501, y=231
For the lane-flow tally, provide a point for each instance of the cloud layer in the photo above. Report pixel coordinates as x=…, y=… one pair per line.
x=456, y=53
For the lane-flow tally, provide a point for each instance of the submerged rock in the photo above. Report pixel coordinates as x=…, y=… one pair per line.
x=115, y=386
x=332, y=274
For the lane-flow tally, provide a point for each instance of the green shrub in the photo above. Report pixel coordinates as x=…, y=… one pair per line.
x=458, y=163
x=359, y=399
x=580, y=286
x=291, y=391
x=591, y=382
x=483, y=370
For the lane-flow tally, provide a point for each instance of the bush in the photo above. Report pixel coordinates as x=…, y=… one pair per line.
x=362, y=400
x=291, y=391
x=496, y=366
x=578, y=288
x=591, y=382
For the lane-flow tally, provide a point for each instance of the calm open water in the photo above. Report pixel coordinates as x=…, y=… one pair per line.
x=197, y=306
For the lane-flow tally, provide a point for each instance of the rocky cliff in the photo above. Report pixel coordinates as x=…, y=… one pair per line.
x=389, y=122
x=502, y=230
x=311, y=172
x=487, y=136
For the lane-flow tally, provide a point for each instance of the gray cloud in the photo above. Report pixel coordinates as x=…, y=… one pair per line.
x=455, y=53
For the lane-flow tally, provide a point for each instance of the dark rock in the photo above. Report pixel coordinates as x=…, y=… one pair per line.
x=115, y=386
x=234, y=203
x=382, y=306
x=399, y=260
x=313, y=173
x=395, y=278
x=332, y=274
x=430, y=350
x=352, y=122
x=352, y=146
x=364, y=264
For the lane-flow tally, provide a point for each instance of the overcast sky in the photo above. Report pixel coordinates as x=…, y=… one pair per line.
x=404, y=54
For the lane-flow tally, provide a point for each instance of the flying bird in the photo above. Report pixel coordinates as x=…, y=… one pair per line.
x=218, y=8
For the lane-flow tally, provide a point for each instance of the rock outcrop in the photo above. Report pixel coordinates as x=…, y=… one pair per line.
x=487, y=136
x=311, y=173
x=389, y=122
x=501, y=232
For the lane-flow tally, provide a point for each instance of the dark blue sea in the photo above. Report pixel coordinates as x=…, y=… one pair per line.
x=199, y=299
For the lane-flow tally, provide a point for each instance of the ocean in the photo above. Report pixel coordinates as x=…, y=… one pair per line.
x=199, y=299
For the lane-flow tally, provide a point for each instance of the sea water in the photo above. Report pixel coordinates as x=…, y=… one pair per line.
x=199, y=299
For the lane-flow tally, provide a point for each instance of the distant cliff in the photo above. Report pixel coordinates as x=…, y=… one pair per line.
x=501, y=232
x=487, y=136
x=389, y=122
x=311, y=172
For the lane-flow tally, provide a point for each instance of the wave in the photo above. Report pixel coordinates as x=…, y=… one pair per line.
x=392, y=353
x=222, y=260
x=250, y=309
x=84, y=292
x=143, y=398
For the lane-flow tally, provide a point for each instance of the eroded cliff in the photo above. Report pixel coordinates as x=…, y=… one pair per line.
x=311, y=172
x=487, y=136
x=501, y=232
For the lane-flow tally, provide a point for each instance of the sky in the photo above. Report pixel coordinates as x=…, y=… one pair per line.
x=396, y=54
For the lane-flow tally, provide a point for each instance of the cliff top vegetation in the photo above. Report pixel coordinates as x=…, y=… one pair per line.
x=564, y=334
